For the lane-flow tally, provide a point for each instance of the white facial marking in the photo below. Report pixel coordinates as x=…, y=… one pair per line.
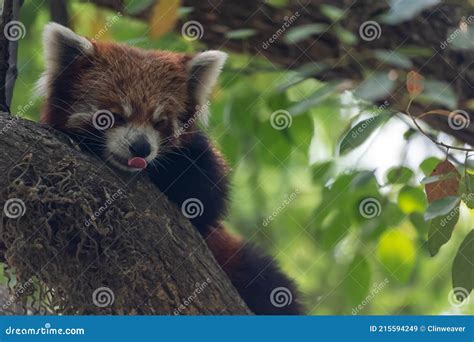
x=78, y=120
x=81, y=114
x=118, y=142
x=127, y=109
x=158, y=111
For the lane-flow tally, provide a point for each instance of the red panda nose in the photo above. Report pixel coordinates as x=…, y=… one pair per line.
x=140, y=147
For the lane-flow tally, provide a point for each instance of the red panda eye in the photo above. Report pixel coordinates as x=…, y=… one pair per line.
x=160, y=122
x=119, y=120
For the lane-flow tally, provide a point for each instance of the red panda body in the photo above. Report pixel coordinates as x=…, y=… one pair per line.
x=150, y=101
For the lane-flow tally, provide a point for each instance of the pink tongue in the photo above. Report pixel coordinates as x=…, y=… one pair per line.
x=137, y=162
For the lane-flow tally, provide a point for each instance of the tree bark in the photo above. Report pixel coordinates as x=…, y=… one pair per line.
x=59, y=12
x=7, y=15
x=82, y=236
x=11, y=31
x=346, y=62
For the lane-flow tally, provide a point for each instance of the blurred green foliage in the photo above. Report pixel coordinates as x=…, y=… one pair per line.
x=338, y=251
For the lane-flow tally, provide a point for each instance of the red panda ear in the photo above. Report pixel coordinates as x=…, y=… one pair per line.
x=61, y=48
x=204, y=69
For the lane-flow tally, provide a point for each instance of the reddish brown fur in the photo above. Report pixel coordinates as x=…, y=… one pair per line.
x=118, y=74
x=190, y=168
x=225, y=247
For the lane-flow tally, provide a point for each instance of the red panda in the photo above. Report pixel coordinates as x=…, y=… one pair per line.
x=149, y=101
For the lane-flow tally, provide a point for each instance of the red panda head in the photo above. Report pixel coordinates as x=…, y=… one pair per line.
x=126, y=104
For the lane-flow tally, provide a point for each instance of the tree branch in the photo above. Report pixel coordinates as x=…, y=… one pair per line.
x=11, y=30
x=59, y=12
x=70, y=227
x=7, y=15
x=12, y=72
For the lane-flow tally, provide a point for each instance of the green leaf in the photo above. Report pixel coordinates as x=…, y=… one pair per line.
x=411, y=200
x=277, y=101
x=330, y=196
x=358, y=134
x=375, y=87
x=240, y=34
x=275, y=146
x=439, y=92
x=311, y=69
x=409, y=133
x=420, y=224
x=394, y=58
x=358, y=280
x=416, y=51
x=277, y=3
x=184, y=11
x=321, y=171
x=399, y=175
x=317, y=97
x=302, y=32
x=429, y=164
x=334, y=229
x=3, y=278
x=332, y=12
x=402, y=10
x=463, y=269
x=307, y=71
x=441, y=207
x=345, y=36
x=137, y=6
x=467, y=190
x=363, y=178
x=397, y=253
x=441, y=229
x=390, y=217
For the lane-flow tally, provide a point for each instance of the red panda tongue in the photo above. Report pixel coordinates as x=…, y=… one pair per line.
x=137, y=162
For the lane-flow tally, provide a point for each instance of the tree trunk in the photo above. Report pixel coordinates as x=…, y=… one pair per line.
x=346, y=62
x=87, y=240
x=7, y=15
x=59, y=12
